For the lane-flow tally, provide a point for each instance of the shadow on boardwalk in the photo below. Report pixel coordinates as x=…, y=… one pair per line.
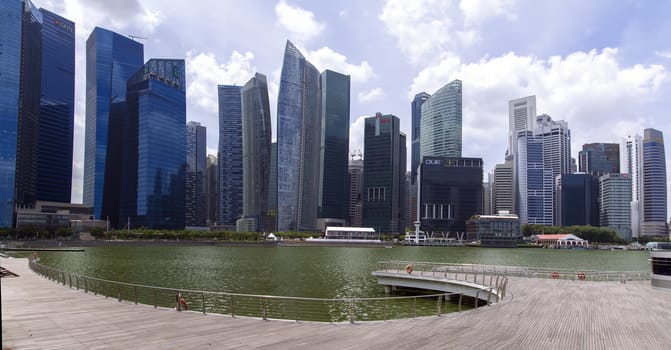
x=538, y=314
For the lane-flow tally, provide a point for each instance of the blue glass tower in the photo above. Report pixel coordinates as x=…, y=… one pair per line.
x=111, y=59
x=56, y=123
x=298, y=134
x=196, y=159
x=230, y=154
x=155, y=151
x=535, y=180
x=654, y=184
x=440, y=130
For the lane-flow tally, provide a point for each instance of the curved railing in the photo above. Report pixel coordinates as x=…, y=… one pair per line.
x=273, y=307
x=484, y=273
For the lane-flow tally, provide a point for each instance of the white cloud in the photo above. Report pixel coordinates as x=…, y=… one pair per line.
x=475, y=11
x=369, y=96
x=326, y=58
x=356, y=133
x=204, y=73
x=665, y=54
x=299, y=22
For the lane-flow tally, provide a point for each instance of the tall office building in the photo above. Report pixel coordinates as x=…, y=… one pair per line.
x=654, y=184
x=355, y=207
x=196, y=176
x=230, y=154
x=502, y=187
x=450, y=193
x=384, y=171
x=111, y=59
x=440, y=131
x=487, y=206
x=298, y=132
x=272, y=191
x=615, y=199
x=416, y=112
x=334, y=148
x=521, y=118
x=154, y=155
x=256, y=152
x=535, y=181
x=577, y=200
x=631, y=159
x=599, y=158
x=212, y=189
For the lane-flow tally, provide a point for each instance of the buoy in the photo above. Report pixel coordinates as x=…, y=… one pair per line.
x=555, y=275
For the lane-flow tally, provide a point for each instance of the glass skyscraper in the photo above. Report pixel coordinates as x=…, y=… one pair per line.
x=416, y=111
x=654, y=184
x=111, y=59
x=599, y=158
x=615, y=199
x=440, y=131
x=230, y=154
x=535, y=181
x=333, y=167
x=631, y=159
x=298, y=132
x=196, y=159
x=155, y=151
x=256, y=151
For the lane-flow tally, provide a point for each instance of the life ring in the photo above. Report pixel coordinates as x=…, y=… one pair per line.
x=555, y=275
x=183, y=302
x=581, y=276
x=408, y=268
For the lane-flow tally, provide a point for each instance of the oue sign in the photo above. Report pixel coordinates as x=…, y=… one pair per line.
x=433, y=162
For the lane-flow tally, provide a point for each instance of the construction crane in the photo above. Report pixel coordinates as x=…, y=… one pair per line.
x=134, y=37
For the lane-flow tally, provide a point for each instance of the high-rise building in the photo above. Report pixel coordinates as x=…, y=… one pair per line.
x=450, y=193
x=298, y=133
x=272, y=191
x=577, y=200
x=196, y=176
x=111, y=59
x=502, y=187
x=599, y=158
x=230, y=154
x=333, y=169
x=256, y=152
x=154, y=156
x=416, y=112
x=521, y=118
x=440, y=131
x=631, y=159
x=654, y=184
x=535, y=180
x=384, y=172
x=212, y=189
x=355, y=209
x=487, y=208
x=615, y=199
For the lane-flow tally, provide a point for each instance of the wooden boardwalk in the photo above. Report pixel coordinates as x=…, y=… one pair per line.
x=536, y=314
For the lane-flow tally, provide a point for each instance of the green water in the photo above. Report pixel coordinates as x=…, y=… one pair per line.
x=319, y=272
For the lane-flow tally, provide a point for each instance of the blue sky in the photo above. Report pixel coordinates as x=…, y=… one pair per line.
x=603, y=66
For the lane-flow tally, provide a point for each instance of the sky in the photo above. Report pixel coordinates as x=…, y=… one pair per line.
x=601, y=65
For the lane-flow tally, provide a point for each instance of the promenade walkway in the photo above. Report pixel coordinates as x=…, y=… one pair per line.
x=536, y=314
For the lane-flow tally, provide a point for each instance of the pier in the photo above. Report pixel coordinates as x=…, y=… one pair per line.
x=537, y=313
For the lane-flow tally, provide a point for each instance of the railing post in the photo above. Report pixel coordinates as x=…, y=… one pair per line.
x=155, y=305
x=263, y=308
x=135, y=294
x=386, y=308
x=489, y=295
x=414, y=306
x=477, y=295
x=86, y=285
x=118, y=292
x=461, y=295
x=438, y=305
x=297, y=310
x=232, y=306
x=70, y=279
x=351, y=311
x=202, y=295
x=77, y=277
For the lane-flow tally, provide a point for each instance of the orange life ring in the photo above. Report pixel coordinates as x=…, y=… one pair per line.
x=408, y=268
x=555, y=275
x=183, y=302
x=581, y=276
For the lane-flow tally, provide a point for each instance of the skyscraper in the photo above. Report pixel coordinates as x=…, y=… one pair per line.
x=631, y=159
x=521, y=117
x=384, y=170
x=502, y=187
x=111, y=59
x=599, y=158
x=355, y=210
x=256, y=151
x=334, y=148
x=154, y=158
x=615, y=199
x=196, y=167
x=416, y=112
x=230, y=154
x=272, y=191
x=577, y=200
x=535, y=181
x=654, y=184
x=298, y=132
x=212, y=189
x=440, y=131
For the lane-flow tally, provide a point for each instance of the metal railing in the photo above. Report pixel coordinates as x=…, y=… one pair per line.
x=480, y=273
x=274, y=307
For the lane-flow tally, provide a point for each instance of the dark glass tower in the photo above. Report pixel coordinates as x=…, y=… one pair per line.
x=599, y=158
x=298, y=132
x=56, y=124
x=272, y=191
x=654, y=184
x=333, y=166
x=196, y=159
x=578, y=200
x=416, y=111
x=256, y=148
x=111, y=59
x=230, y=154
x=155, y=153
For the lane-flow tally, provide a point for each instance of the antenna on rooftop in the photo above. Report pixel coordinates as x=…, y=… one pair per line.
x=134, y=37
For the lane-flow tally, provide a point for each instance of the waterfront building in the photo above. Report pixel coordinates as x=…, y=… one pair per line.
x=416, y=113
x=521, y=118
x=450, y=193
x=154, y=152
x=487, y=198
x=212, y=189
x=615, y=200
x=256, y=153
x=272, y=191
x=111, y=59
x=535, y=181
x=355, y=203
x=52, y=215
x=230, y=154
x=631, y=158
x=599, y=158
x=654, y=182
x=577, y=200
x=196, y=168
x=298, y=133
x=384, y=173
x=334, y=146
x=440, y=131
x=498, y=230
x=502, y=187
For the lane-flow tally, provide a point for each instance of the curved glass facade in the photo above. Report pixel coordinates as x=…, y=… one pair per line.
x=416, y=111
x=440, y=131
